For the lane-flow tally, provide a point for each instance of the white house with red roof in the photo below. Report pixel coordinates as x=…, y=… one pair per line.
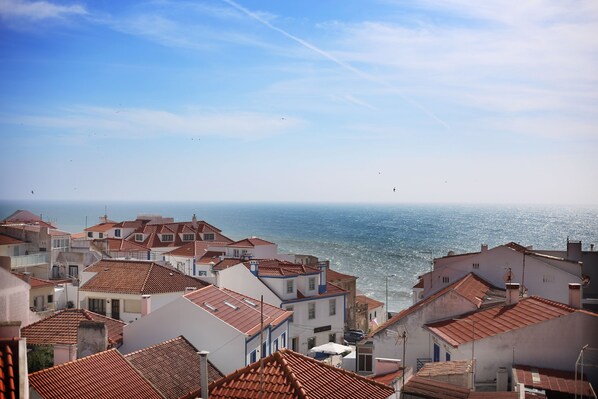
x=250, y=248
x=469, y=293
x=537, y=273
x=318, y=307
x=531, y=331
x=116, y=287
x=221, y=321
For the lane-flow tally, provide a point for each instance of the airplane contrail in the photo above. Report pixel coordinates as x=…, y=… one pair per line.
x=332, y=58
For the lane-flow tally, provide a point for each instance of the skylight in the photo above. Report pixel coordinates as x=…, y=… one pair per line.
x=230, y=305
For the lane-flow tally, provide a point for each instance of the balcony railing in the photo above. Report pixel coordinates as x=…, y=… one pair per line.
x=40, y=258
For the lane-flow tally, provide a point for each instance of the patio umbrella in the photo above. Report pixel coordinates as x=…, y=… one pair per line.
x=331, y=348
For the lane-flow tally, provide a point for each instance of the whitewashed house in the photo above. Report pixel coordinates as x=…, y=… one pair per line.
x=115, y=287
x=467, y=294
x=318, y=307
x=538, y=274
x=532, y=331
x=221, y=321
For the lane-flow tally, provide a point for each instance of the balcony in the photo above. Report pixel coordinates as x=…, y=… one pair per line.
x=41, y=258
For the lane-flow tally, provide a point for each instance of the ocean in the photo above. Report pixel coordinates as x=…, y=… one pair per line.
x=367, y=241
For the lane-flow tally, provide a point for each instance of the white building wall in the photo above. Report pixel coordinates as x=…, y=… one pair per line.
x=541, y=277
x=14, y=299
x=419, y=345
x=205, y=331
x=552, y=344
x=239, y=279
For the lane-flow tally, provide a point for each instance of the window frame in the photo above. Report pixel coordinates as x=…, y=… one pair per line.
x=311, y=310
x=332, y=307
x=311, y=283
x=290, y=286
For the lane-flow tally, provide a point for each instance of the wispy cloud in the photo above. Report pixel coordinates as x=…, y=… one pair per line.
x=85, y=122
x=38, y=10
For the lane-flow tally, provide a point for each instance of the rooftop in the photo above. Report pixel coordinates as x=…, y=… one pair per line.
x=287, y=374
x=81, y=379
x=8, y=240
x=101, y=228
x=9, y=368
x=62, y=327
x=552, y=380
x=372, y=303
x=172, y=367
x=433, y=389
x=137, y=277
x=34, y=282
x=250, y=243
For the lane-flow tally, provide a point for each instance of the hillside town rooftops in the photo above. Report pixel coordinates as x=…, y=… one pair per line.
x=239, y=311
x=286, y=374
x=137, y=277
x=103, y=375
x=62, y=327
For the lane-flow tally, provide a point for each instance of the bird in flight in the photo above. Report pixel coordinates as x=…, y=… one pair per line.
x=31, y=191
x=394, y=189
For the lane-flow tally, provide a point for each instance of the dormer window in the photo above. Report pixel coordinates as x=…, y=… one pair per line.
x=208, y=236
x=139, y=237
x=167, y=238
x=290, y=287
x=188, y=237
x=312, y=283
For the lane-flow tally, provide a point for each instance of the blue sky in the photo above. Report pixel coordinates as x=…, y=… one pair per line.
x=327, y=101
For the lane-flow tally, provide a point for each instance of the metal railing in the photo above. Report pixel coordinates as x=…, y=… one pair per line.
x=29, y=260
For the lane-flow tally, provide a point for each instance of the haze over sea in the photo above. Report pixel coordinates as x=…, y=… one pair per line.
x=367, y=241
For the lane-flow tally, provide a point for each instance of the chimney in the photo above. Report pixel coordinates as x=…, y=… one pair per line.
x=92, y=338
x=591, y=247
x=10, y=329
x=146, y=305
x=203, y=373
x=512, y=293
x=254, y=267
x=323, y=266
x=194, y=221
x=575, y=295
x=574, y=250
x=484, y=248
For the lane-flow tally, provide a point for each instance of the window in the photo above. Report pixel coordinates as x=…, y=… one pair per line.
x=448, y=356
x=290, y=288
x=90, y=234
x=548, y=278
x=253, y=356
x=436, y=353
x=117, y=233
x=311, y=342
x=295, y=344
x=50, y=298
x=73, y=271
x=476, y=265
x=188, y=237
x=312, y=283
x=275, y=345
x=236, y=253
x=167, y=238
x=445, y=279
x=364, y=359
x=138, y=237
x=283, y=340
x=101, y=235
x=290, y=308
x=208, y=236
x=332, y=307
x=264, y=350
x=311, y=311
x=332, y=337
x=97, y=305
x=60, y=243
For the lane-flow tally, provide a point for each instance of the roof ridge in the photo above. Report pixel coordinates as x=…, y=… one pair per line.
x=156, y=345
x=155, y=388
x=149, y=272
x=288, y=372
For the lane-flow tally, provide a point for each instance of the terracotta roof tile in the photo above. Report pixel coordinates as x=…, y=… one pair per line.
x=226, y=263
x=172, y=367
x=103, y=375
x=250, y=242
x=287, y=374
x=499, y=319
x=101, y=228
x=9, y=368
x=333, y=275
x=34, y=282
x=137, y=277
x=191, y=249
x=388, y=378
x=552, y=380
x=62, y=327
x=471, y=287
x=117, y=244
x=239, y=311
x=372, y=303
x=8, y=240
x=433, y=389
x=152, y=231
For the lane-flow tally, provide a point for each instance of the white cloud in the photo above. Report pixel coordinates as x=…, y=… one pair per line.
x=84, y=122
x=38, y=10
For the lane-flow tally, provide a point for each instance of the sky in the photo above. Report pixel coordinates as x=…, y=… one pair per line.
x=453, y=101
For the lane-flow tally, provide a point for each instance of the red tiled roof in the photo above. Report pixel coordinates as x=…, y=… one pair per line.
x=333, y=275
x=34, y=282
x=101, y=228
x=191, y=249
x=152, y=233
x=103, y=375
x=172, y=367
x=9, y=368
x=116, y=244
x=62, y=327
x=250, y=243
x=287, y=374
x=226, y=263
x=276, y=267
x=499, y=319
x=470, y=287
x=552, y=380
x=388, y=378
x=372, y=303
x=433, y=389
x=211, y=256
x=242, y=313
x=8, y=240
x=137, y=277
